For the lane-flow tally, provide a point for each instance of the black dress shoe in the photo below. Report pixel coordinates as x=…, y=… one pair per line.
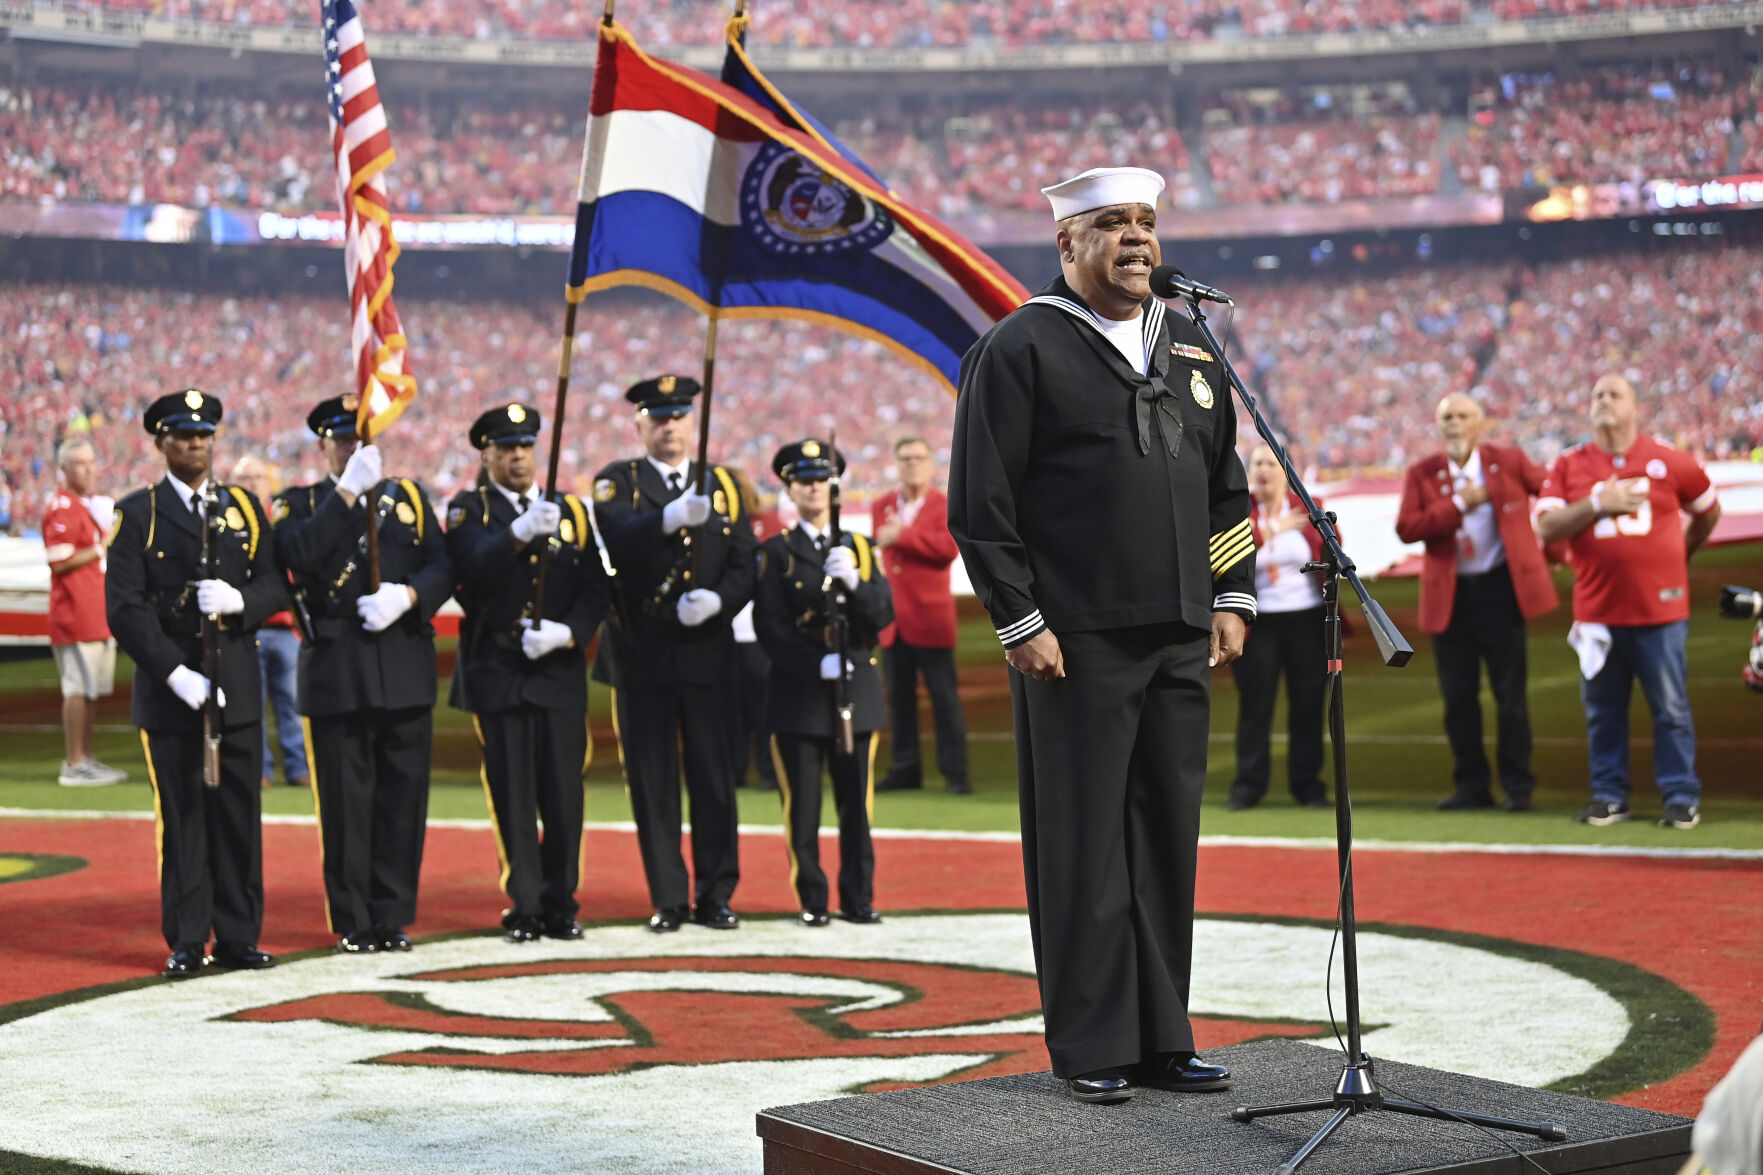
x=662, y=921
x=521, y=930
x=1464, y=800
x=359, y=942
x=959, y=787
x=392, y=938
x=1183, y=1073
x=900, y=781
x=241, y=956
x=861, y=915
x=1315, y=802
x=184, y=963
x=561, y=926
x=715, y=915
x=1238, y=803
x=814, y=918
x=1517, y=804
x=1102, y=1088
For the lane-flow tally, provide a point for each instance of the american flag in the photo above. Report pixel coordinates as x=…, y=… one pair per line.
x=363, y=149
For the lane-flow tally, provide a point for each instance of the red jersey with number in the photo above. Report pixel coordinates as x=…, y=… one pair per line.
x=1633, y=569
x=76, y=600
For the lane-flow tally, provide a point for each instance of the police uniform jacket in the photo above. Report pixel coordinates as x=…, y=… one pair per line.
x=496, y=591
x=154, y=562
x=323, y=543
x=649, y=646
x=1085, y=495
x=791, y=623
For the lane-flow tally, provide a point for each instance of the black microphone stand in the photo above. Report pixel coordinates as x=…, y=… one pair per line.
x=1357, y=1091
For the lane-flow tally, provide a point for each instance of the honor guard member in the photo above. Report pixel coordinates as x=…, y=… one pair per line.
x=1097, y=498
x=367, y=676
x=670, y=653
x=210, y=839
x=523, y=678
x=796, y=569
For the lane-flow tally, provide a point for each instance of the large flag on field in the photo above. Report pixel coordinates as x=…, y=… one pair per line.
x=362, y=147
x=741, y=207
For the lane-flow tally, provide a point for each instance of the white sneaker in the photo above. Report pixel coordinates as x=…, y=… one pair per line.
x=87, y=774
x=109, y=773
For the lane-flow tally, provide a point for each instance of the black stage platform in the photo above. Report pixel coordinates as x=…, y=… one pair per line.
x=1025, y=1125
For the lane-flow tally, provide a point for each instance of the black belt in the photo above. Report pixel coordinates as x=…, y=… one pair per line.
x=1499, y=568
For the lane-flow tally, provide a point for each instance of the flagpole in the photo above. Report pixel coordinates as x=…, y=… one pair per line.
x=557, y=410
x=704, y=431
x=371, y=498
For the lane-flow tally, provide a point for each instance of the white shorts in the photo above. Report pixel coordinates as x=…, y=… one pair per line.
x=88, y=669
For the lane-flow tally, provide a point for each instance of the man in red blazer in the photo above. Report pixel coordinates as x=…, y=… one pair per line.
x=911, y=525
x=1483, y=577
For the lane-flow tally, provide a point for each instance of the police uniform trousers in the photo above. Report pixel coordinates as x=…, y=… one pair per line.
x=370, y=786
x=1486, y=627
x=1292, y=643
x=1111, y=762
x=748, y=740
x=800, y=760
x=657, y=725
x=210, y=839
x=534, y=760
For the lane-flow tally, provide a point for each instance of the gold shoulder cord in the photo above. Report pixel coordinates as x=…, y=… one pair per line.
x=729, y=494
x=415, y=496
x=244, y=502
x=581, y=521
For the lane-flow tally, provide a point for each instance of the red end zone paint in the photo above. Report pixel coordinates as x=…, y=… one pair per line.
x=1695, y=923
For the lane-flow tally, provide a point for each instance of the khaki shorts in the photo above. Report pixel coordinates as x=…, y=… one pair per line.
x=88, y=669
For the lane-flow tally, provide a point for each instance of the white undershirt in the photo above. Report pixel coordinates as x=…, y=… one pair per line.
x=1128, y=338
x=519, y=501
x=684, y=469
x=1479, y=549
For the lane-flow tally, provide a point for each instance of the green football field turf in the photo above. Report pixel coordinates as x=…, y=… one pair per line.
x=1398, y=762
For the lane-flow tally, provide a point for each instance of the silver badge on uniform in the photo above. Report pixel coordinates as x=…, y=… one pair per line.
x=1201, y=389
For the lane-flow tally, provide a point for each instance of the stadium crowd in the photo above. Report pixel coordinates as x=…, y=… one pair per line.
x=900, y=23
x=1351, y=366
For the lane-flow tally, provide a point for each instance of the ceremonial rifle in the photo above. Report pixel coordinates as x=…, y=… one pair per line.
x=211, y=641
x=838, y=620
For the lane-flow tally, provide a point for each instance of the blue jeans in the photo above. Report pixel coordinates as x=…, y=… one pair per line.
x=1656, y=654
x=278, y=655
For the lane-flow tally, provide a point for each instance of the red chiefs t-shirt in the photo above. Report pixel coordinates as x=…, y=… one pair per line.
x=1633, y=569
x=76, y=600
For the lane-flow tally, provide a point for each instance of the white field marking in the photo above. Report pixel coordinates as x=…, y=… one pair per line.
x=1662, y=853
x=91, y=1082
x=1428, y=740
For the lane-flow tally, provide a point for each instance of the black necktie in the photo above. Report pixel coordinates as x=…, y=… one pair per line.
x=820, y=543
x=673, y=483
x=196, y=505
x=520, y=505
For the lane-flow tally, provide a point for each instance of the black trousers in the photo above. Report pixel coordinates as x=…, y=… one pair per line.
x=534, y=760
x=800, y=760
x=656, y=726
x=1291, y=642
x=748, y=740
x=1111, y=761
x=903, y=663
x=370, y=788
x=1486, y=627
x=210, y=840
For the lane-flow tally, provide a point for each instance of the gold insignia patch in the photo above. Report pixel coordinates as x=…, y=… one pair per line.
x=234, y=520
x=605, y=490
x=193, y=398
x=810, y=448
x=516, y=413
x=455, y=515
x=719, y=502
x=406, y=514
x=280, y=510
x=666, y=384
x=115, y=526
x=566, y=530
x=1201, y=389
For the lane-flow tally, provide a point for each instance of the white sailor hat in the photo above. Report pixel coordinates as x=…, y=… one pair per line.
x=1104, y=187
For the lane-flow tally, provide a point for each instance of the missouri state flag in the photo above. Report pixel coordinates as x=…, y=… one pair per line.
x=742, y=208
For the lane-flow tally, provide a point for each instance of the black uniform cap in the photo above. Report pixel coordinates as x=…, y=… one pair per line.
x=665, y=395
x=186, y=411
x=808, y=460
x=335, y=417
x=506, y=424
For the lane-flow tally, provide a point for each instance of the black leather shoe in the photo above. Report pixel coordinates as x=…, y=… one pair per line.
x=392, y=938
x=715, y=915
x=520, y=930
x=662, y=921
x=1461, y=801
x=561, y=926
x=1183, y=1073
x=184, y=963
x=1239, y=803
x=1315, y=802
x=358, y=942
x=861, y=915
x=1101, y=1089
x=241, y=956
x=959, y=787
x=1517, y=804
x=900, y=781
x=814, y=918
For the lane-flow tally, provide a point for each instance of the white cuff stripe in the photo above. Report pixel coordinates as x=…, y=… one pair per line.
x=1026, y=625
x=1704, y=503
x=1232, y=601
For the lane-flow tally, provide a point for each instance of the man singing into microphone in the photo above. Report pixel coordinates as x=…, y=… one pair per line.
x=1097, y=499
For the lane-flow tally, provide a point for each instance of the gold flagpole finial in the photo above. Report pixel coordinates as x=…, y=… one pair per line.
x=607, y=19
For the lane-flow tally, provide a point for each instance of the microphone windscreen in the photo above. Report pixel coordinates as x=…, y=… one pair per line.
x=1161, y=277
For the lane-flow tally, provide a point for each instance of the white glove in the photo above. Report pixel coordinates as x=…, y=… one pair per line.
x=685, y=510
x=540, y=520
x=363, y=471
x=546, y=637
x=217, y=597
x=190, y=687
x=841, y=565
x=830, y=669
x=698, y=605
x=380, y=610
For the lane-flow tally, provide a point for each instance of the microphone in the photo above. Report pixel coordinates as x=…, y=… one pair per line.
x=1169, y=282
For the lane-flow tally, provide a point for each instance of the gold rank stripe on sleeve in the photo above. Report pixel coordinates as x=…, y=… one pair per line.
x=1230, y=547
